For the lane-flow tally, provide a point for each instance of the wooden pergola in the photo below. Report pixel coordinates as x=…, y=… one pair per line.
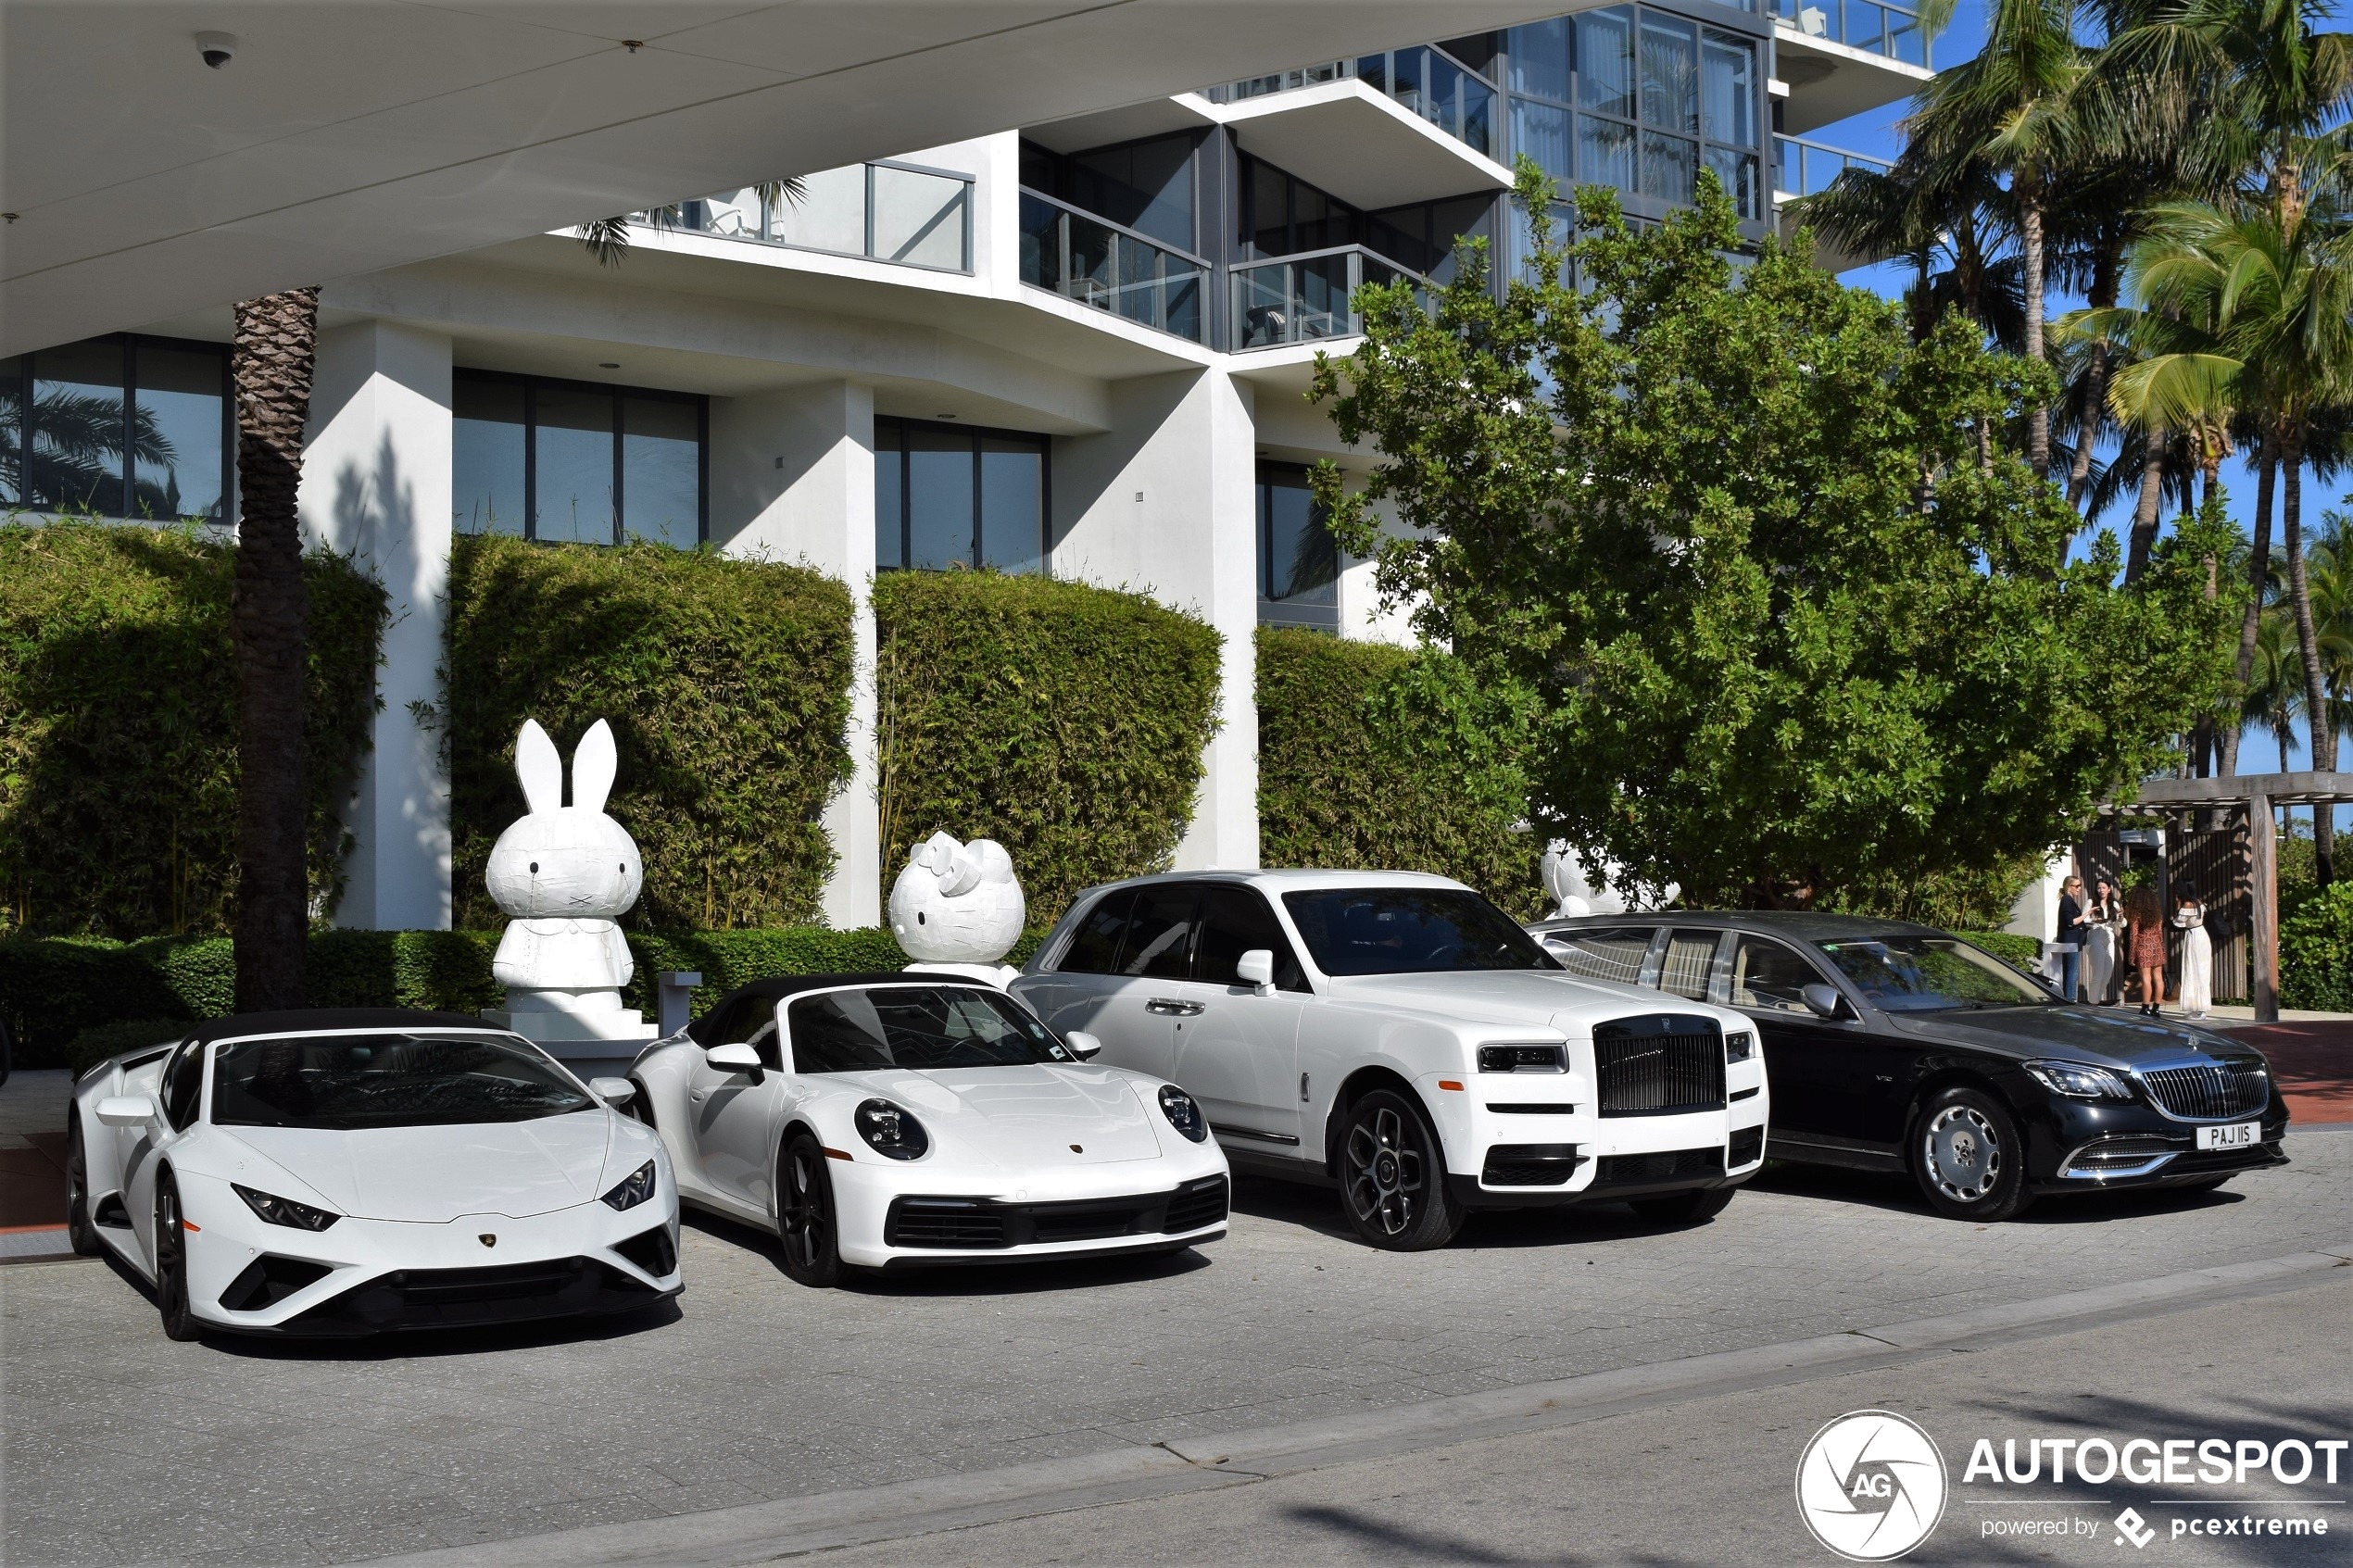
x=2256, y=794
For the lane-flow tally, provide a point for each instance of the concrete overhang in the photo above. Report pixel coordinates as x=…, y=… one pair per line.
x=345, y=138
x=1359, y=146
x=1830, y=82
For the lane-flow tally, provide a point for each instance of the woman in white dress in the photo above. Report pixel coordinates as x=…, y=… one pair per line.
x=2198, y=958
x=2100, y=921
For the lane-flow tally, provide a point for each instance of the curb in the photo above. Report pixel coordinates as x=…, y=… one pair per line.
x=764, y=1531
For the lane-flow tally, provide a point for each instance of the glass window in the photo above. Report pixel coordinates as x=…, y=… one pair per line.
x=1728, y=95
x=78, y=427
x=1233, y=921
x=1266, y=213
x=946, y=496
x=1159, y=935
x=1298, y=558
x=1737, y=172
x=1605, y=61
x=1094, y=947
x=12, y=372
x=341, y=1081
x=940, y=498
x=1147, y=186
x=1670, y=74
x=1012, y=503
x=1768, y=977
x=890, y=498
x=180, y=438
x=1541, y=131
x=486, y=456
x=1603, y=952
x=920, y=1028
x=1690, y=956
x=661, y=470
x=1931, y=974
x=1539, y=58
x=1670, y=168
x=1410, y=931
x=183, y=1086
x=1604, y=153
x=572, y=429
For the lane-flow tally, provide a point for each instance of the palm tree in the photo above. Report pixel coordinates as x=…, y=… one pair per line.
x=2271, y=697
x=270, y=361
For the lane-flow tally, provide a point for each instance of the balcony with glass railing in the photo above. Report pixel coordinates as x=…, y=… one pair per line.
x=1310, y=298
x=1867, y=25
x=1424, y=80
x=1804, y=168
x=1115, y=269
x=884, y=211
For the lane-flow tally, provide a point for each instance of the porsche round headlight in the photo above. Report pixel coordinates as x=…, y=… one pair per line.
x=278, y=1210
x=891, y=1131
x=635, y=1189
x=1182, y=1113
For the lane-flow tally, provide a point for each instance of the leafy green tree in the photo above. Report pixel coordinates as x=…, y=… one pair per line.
x=1724, y=522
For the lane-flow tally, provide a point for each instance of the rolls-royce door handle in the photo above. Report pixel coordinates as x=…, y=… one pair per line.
x=1171, y=1007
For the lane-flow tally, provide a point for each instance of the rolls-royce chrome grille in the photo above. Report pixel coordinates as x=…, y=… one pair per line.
x=2213, y=1091
x=1659, y=1065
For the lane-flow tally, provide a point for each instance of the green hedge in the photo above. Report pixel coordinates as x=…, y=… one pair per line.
x=2316, y=951
x=727, y=685
x=1377, y=757
x=57, y=992
x=1065, y=722
x=118, y=726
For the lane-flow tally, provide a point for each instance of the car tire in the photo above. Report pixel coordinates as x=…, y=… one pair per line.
x=1968, y=1157
x=641, y=1105
x=1393, y=1174
x=1694, y=1208
x=81, y=1235
x=805, y=1228
x=171, y=1264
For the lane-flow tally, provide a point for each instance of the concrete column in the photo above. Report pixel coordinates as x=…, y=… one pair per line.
x=376, y=486
x=792, y=479
x=1166, y=502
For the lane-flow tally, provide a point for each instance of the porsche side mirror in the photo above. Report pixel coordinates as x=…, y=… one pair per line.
x=734, y=1058
x=127, y=1111
x=1083, y=1046
x=1256, y=969
x=1825, y=1001
x=613, y=1091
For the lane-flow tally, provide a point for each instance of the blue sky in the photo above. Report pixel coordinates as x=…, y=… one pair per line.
x=1876, y=134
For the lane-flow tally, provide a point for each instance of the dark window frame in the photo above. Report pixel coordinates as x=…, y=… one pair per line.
x=619, y=395
x=126, y=480
x=978, y=435
x=1289, y=610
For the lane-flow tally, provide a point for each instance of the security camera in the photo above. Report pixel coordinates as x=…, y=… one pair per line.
x=217, y=48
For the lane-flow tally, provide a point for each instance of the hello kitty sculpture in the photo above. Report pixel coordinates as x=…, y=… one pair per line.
x=563, y=873
x=1575, y=893
x=957, y=907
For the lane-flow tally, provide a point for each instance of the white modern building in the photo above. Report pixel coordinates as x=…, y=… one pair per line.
x=1076, y=348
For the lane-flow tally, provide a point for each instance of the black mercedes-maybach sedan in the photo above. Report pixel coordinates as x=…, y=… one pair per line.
x=1891, y=1046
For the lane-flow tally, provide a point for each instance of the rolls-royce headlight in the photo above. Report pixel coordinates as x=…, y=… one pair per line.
x=637, y=1188
x=2079, y=1080
x=891, y=1131
x=1534, y=1057
x=278, y=1210
x=1182, y=1113
x=1738, y=1044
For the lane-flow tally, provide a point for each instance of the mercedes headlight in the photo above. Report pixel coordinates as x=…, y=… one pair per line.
x=635, y=1189
x=2079, y=1080
x=277, y=1211
x=1182, y=1113
x=891, y=1131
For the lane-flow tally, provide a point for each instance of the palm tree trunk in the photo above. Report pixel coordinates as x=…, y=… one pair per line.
x=2316, y=696
x=271, y=364
x=2103, y=298
x=2038, y=418
x=2258, y=562
x=2152, y=496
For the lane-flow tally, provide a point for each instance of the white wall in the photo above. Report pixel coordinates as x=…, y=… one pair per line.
x=1165, y=504
x=376, y=485
x=792, y=479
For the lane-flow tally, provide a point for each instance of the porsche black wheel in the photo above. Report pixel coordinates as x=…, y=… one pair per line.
x=805, y=1213
x=171, y=1264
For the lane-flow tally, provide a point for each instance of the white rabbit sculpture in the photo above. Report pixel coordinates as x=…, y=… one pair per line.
x=563, y=873
x=957, y=906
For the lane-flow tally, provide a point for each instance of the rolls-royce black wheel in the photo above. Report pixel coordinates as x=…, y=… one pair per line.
x=1393, y=1173
x=1969, y=1158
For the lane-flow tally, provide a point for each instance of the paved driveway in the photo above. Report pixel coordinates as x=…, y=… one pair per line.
x=122, y=1447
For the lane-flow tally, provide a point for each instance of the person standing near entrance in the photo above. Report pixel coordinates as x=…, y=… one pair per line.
x=2070, y=934
x=2144, y=944
x=2101, y=919
x=2197, y=957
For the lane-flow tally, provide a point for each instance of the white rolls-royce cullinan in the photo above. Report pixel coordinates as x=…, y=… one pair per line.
x=911, y=1119
x=343, y=1171
x=1400, y=1036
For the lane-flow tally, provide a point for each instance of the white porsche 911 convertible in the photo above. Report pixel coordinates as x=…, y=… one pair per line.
x=345, y=1171
x=887, y=1121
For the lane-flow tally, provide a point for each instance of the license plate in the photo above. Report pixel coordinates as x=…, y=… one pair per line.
x=2238, y=1135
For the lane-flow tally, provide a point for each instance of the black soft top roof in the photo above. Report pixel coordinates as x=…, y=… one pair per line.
x=778, y=986
x=307, y=1020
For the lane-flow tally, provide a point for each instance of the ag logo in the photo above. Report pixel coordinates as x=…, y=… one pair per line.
x=1870, y=1485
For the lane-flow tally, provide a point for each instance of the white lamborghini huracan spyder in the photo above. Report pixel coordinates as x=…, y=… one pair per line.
x=340, y=1173
x=886, y=1121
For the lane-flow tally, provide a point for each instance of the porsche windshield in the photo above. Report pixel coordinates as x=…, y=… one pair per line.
x=917, y=1026
x=353, y=1080
x=1409, y=931
x=1931, y=974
